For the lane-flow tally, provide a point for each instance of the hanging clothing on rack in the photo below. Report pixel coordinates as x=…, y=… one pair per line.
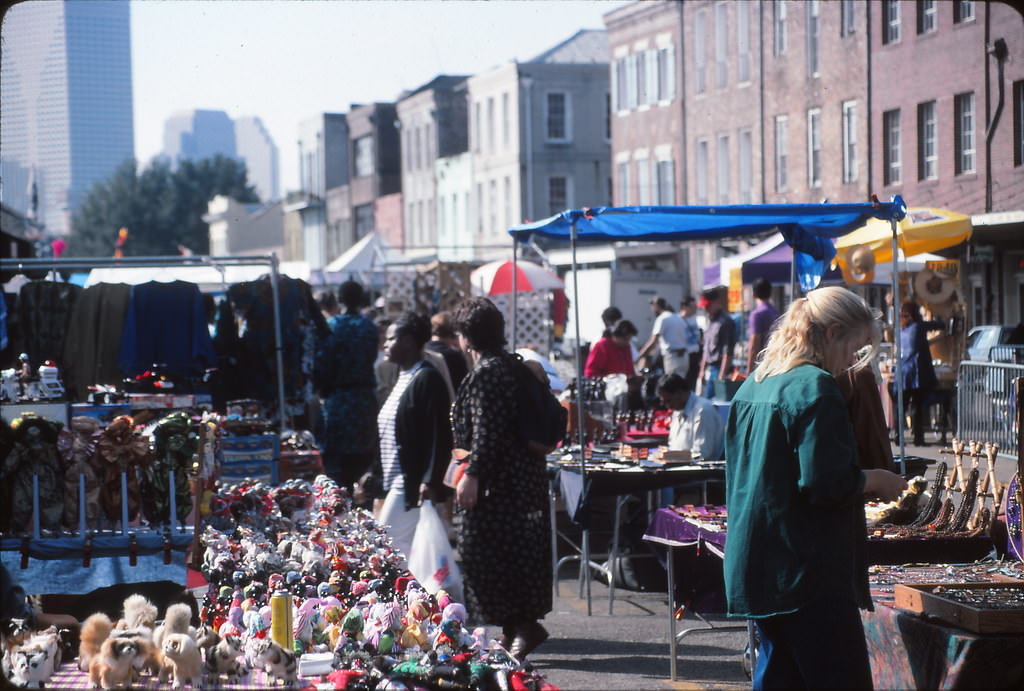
x=166, y=324
x=44, y=311
x=302, y=327
x=94, y=338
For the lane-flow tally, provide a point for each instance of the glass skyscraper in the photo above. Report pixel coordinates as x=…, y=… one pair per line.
x=66, y=120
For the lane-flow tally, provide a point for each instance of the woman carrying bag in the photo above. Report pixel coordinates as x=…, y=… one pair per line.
x=504, y=538
x=415, y=436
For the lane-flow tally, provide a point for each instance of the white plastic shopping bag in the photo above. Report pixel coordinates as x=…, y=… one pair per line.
x=432, y=559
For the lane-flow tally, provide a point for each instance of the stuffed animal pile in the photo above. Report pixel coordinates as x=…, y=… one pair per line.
x=349, y=595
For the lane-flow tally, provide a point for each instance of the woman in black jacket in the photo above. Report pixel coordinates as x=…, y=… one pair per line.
x=414, y=430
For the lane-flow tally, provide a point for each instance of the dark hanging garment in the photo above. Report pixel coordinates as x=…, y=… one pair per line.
x=44, y=311
x=302, y=325
x=228, y=384
x=166, y=324
x=94, y=338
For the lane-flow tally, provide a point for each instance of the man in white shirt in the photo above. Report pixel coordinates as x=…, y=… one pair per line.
x=696, y=424
x=669, y=334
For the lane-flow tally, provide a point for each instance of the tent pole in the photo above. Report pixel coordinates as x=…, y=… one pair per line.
x=515, y=293
x=580, y=431
x=897, y=368
x=278, y=356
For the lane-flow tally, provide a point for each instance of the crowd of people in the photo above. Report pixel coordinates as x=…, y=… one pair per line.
x=403, y=398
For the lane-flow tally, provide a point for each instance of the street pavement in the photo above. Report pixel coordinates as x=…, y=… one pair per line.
x=629, y=650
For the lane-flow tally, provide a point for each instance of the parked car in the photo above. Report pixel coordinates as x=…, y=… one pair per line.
x=981, y=339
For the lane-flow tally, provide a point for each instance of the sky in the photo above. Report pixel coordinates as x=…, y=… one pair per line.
x=288, y=60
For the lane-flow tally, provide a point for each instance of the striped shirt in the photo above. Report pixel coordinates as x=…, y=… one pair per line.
x=392, y=469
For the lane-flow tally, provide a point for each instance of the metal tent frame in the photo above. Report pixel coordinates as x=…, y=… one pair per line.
x=217, y=262
x=804, y=226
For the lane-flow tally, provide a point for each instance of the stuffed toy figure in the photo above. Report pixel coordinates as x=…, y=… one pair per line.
x=176, y=444
x=121, y=449
x=77, y=447
x=34, y=454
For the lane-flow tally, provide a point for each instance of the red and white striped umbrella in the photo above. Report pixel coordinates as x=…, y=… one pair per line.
x=495, y=278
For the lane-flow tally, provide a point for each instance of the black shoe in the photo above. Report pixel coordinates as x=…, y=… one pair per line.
x=526, y=641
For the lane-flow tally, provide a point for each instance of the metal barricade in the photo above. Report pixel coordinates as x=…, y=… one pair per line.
x=986, y=405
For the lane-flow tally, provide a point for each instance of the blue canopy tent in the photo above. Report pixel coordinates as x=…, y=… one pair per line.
x=807, y=228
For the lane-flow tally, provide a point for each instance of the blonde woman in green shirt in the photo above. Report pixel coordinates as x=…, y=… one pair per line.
x=796, y=556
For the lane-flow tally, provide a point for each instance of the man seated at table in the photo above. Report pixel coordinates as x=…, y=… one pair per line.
x=696, y=424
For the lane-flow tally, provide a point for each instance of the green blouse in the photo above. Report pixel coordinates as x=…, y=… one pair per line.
x=794, y=492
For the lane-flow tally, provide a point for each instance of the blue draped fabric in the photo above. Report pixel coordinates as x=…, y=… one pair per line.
x=807, y=228
x=797, y=222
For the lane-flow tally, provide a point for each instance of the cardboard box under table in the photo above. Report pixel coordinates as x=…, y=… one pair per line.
x=252, y=456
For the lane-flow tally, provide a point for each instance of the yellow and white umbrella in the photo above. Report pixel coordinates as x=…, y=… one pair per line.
x=922, y=230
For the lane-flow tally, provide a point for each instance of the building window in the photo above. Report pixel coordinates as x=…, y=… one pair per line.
x=814, y=147
x=490, y=124
x=781, y=158
x=477, y=132
x=608, y=116
x=621, y=84
x=963, y=11
x=890, y=21
x=963, y=119
x=364, y=156
x=558, y=194
x=927, y=142
x=492, y=205
x=926, y=15
x=651, y=64
x=631, y=85
x=666, y=183
x=641, y=78
x=722, y=167
x=702, y=171
x=743, y=41
x=721, y=45
x=479, y=208
x=1018, y=126
x=847, y=18
x=849, y=141
x=364, y=219
x=666, y=73
x=746, y=167
x=891, y=147
x=813, y=62
x=700, y=52
x=557, y=116
x=643, y=182
x=508, y=202
x=779, y=28
x=506, y=122
x=624, y=198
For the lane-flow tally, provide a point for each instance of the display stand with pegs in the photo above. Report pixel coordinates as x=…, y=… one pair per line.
x=988, y=488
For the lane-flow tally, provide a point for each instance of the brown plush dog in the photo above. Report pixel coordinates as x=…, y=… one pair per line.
x=94, y=631
x=113, y=666
x=181, y=656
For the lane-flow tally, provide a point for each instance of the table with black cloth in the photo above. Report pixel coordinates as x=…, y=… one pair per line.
x=619, y=482
x=700, y=565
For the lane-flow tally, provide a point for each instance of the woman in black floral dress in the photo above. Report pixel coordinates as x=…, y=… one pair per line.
x=504, y=538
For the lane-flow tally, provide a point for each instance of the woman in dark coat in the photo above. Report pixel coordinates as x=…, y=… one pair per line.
x=504, y=538
x=344, y=377
x=916, y=364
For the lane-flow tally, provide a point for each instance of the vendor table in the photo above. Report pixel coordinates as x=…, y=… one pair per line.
x=673, y=531
x=618, y=482
x=68, y=677
x=910, y=651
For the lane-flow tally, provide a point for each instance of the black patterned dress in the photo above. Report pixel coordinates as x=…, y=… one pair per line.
x=505, y=540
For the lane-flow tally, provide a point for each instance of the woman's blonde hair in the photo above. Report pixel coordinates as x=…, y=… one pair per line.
x=800, y=335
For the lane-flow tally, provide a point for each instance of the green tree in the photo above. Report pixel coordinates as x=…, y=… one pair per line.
x=160, y=208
